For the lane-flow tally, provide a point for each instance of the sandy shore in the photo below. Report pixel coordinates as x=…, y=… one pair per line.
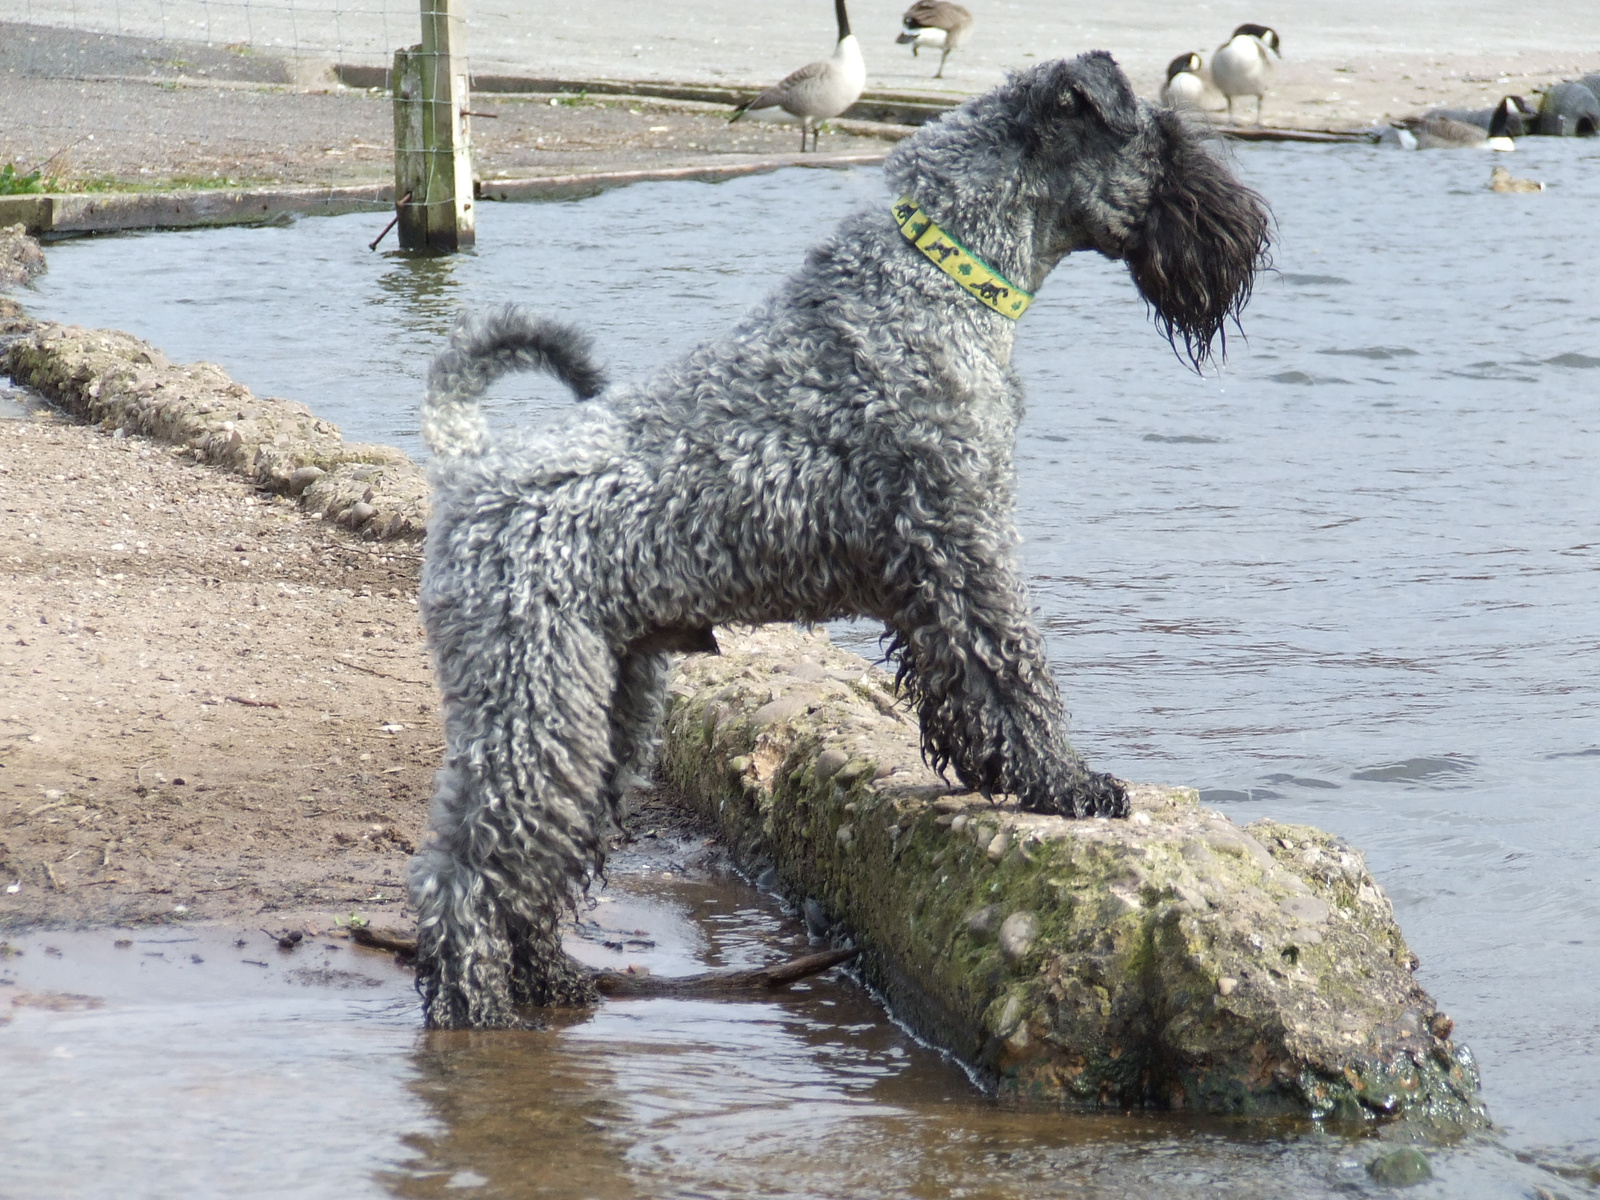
x=214, y=705
x=731, y=42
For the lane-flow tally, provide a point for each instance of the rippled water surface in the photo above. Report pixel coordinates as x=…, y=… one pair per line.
x=1350, y=581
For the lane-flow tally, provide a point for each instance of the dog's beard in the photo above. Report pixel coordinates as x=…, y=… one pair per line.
x=1196, y=254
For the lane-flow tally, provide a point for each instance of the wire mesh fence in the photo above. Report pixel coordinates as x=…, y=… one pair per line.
x=364, y=32
x=186, y=95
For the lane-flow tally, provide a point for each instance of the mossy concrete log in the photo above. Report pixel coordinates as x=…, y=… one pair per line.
x=115, y=380
x=1172, y=959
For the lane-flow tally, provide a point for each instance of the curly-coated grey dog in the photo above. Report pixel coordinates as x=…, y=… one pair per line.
x=845, y=450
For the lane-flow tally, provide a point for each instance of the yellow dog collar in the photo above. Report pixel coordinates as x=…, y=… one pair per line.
x=979, y=279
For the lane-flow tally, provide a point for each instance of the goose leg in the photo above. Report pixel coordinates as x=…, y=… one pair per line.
x=805, y=127
x=939, y=74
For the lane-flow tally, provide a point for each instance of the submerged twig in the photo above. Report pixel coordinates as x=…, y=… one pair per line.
x=720, y=983
x=630, y=984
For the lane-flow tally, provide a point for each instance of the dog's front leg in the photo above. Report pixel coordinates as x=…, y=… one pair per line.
x=973, y=663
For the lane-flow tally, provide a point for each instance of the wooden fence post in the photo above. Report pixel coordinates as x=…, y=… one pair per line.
x=432, y=150
x=410, y=159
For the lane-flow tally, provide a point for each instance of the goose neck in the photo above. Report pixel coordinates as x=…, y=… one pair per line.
x=848, y=54
x=843, y=19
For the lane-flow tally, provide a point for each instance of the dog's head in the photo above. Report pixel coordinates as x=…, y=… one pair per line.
x=1065, y=157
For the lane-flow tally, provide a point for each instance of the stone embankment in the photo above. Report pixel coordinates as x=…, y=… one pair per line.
x=116, y=381
x=1170, y=959
x=21, y=259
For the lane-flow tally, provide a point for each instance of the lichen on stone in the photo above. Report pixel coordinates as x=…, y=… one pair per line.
x=1172, y=959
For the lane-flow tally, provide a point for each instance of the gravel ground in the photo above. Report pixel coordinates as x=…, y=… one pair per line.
x=213, y=705
x=105, y=109
x=112, y=110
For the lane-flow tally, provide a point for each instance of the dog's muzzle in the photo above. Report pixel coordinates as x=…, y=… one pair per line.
x=1195, y=255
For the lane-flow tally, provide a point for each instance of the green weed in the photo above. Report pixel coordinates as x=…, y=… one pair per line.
x=14, y=184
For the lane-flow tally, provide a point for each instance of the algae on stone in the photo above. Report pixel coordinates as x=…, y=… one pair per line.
x=1172, y=959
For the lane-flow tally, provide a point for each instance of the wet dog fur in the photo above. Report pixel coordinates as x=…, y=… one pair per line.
x=845, y=450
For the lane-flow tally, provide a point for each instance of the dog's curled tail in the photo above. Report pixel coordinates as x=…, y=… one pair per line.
x=484, y=348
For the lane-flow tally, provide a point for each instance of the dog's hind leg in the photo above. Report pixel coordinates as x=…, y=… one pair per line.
x=635, y=724
x=519, y=821
x=974, y=665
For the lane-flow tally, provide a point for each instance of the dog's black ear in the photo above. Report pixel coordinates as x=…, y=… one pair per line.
x=1097, y=81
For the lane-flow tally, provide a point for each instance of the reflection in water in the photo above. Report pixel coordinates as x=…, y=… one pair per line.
x=809, y=1094
x=171, y=1061
x=424, y=290
x=516, y=1113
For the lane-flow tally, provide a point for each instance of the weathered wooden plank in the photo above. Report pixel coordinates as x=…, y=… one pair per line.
x=1257, y=133
x=410, y=152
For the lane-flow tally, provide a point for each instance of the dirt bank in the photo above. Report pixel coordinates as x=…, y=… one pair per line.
x=214, y=705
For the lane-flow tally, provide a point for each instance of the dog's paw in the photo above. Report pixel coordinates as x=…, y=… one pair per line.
x=1104, y=796
x=1096, y=794
x=478, y=1016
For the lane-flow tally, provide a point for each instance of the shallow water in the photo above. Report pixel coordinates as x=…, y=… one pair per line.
x=1349, y=581
x=176, y=1061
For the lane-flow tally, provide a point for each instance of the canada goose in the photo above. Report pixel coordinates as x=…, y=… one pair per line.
x=1512, y=118
x=1435, y=131
x=1398, y=135
x=936, y=24
x=1442, y=133
x=1241, y=66
x=1184, y=87
x=1502, y=180
x=821, y=89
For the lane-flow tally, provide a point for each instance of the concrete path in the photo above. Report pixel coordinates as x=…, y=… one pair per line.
x=101, y=111
x=1343, y=63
